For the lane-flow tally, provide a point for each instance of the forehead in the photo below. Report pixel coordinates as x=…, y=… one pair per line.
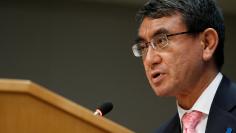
x=170, y=24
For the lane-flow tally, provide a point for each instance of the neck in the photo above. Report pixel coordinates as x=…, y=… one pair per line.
x=187, y=100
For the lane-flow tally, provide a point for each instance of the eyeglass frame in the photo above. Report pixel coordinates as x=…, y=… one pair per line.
x=155, y=46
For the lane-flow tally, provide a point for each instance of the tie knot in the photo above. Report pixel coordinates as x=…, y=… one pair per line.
x=191, y=119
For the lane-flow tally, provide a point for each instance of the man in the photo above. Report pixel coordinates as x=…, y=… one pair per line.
x=181, y=45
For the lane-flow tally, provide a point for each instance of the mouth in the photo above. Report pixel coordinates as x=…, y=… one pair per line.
x=157, y=77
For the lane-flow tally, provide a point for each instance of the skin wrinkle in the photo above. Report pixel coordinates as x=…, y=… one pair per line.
x=185, y=70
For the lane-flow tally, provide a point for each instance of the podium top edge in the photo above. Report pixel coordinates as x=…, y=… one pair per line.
x=25, y=81
x=14, y=85
x=29, y=87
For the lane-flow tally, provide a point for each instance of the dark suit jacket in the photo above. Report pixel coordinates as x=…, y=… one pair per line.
x=222, y=113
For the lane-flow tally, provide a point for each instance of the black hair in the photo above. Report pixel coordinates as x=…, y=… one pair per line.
x=196, y=14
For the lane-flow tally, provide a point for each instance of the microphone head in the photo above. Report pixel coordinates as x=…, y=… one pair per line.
x=104, y=108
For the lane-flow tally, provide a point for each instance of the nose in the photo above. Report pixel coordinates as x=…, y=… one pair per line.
x=152, y=58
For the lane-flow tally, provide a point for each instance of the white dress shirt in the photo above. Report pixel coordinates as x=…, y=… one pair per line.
x=203, y=104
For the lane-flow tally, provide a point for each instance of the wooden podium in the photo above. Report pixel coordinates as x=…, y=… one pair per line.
x=26, y=107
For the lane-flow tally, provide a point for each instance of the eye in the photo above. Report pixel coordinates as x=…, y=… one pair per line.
x=143, y=45
x=160, y=41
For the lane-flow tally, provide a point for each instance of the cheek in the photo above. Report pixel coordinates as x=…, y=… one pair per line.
x=186, y=69
x=146, y=69
x=182, y=64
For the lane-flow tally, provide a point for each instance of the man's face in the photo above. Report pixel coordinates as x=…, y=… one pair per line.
x=177, y=68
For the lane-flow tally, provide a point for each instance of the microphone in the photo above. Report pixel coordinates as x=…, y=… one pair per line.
x=103, y=109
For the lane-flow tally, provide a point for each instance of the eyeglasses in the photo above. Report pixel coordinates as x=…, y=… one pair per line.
x=158, y=42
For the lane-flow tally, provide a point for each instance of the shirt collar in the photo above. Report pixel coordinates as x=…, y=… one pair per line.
x=203, y=103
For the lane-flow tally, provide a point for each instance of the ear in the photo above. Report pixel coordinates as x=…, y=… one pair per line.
x=209, y=42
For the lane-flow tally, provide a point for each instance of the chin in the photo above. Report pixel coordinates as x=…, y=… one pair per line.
x=159, y=92
x=162, y=91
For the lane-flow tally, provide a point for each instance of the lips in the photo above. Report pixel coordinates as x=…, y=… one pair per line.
x=157, y=77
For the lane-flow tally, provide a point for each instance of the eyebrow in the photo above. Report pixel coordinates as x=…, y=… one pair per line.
x=159, y=31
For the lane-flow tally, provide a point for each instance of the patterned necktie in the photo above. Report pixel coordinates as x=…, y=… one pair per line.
x=190, y=121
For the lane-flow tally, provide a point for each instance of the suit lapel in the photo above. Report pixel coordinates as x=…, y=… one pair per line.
x=224, y=103
x=222, y=115
x=172, y=126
